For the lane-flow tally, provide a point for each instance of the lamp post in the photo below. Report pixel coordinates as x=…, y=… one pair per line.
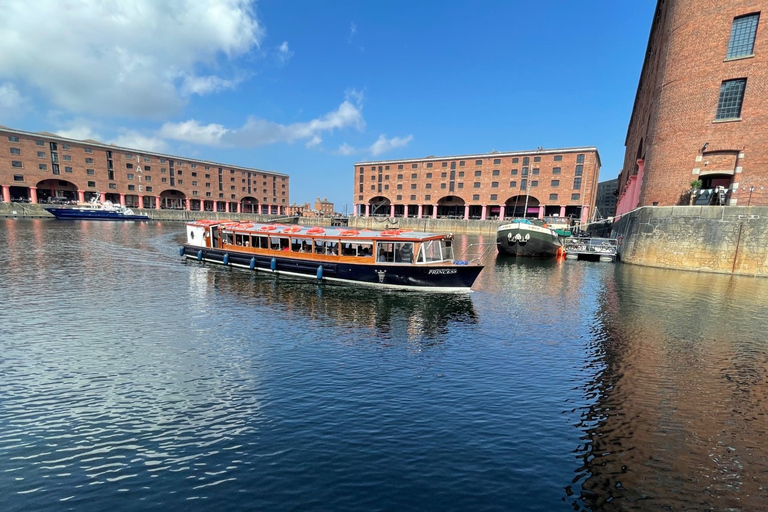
x=751, y=189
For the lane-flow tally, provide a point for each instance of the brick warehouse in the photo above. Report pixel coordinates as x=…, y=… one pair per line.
x=700, y=108
x=555, y=182
x=43, y=167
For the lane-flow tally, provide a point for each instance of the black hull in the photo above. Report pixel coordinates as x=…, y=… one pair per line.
x=537, y=245
x=417, y=277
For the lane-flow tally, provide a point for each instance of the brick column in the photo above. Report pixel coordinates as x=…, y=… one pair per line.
x=418, y=215
x=466, y=212
x=482, y=215
x=501, y=212
x=434, y=211
x=122, y=199
x=7, y=193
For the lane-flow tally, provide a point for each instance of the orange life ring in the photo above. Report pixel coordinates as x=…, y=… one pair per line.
x=391, y=232
x=315, y=231
x=348, y=232
x=292, y=230
x=267, y=228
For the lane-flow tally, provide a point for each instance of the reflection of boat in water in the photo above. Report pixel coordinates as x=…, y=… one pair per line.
x=527, y=237
x=389, y=313
x=392, y=258
x=95, y=211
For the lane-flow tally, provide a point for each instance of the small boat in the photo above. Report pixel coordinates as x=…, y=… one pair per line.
x=592, y=249
x=392, y=258
x=95, y=211
x=528, y=237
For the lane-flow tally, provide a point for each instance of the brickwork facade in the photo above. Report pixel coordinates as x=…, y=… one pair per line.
x=43, y=167
x=552, y=182
x=701, y=104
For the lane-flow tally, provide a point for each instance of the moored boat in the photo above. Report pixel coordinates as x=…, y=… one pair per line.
x=526, y=237
x=390, y=258
x=95, y=211
x=591, y=249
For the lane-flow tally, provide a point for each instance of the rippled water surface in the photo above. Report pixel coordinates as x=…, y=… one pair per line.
x=133, y=381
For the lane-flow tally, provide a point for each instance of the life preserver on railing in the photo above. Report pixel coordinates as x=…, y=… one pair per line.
x=349, y=232
x=267, y=228
x=314, y=231
x=391, y=232
x=292, y=230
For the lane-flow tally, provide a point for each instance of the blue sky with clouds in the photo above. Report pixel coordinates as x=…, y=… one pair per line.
x=309, y=88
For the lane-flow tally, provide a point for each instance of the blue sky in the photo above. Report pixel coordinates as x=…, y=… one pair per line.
x=308, y=88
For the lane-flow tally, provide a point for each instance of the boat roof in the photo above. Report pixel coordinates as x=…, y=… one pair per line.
x=258, y=228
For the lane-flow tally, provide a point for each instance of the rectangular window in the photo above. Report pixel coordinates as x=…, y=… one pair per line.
x=414, y=176
x=40, y=143
x=67, y=169
x=558, y=158
x=555, y=183
x=18, y=177
x=129, y=176
x=15, y=151
x=553, y=197
x=429, y=175
x=496, y=172
x=400, y=166
x=513, y=184
x=112, y=186
x=478, y=173
x=534, y=183
x=88, y=150
x=428, y=185
x=12, y=138
x=556, y=170
x=535, y=170
x=731, y=98
x=16, y=163
x=413, y=186
x=91, y=184
x=414, y=166
x=515, y=160
x=129, y=166
x=67, y=158
x=537, y=159
x=497, y=161
x=495, y=184
x=130, y=187
x=42, y=167
x=494, y=197
x=41, y=154
x=65, y=146
x=429, y=165
x=742, y=41
x=413, y=197
x=523, y=184
x=149, y=189
x=461, y=174
x=461, y=163
x=89, y=160
x=575, y=197
x=442, y=185
x=460, y=185
x=477, y=184
x=579, y=159
x=427, y=197
x=445, y=164
x=478, y=162
x=576, y=183
x=90, y=172
x=579, y=170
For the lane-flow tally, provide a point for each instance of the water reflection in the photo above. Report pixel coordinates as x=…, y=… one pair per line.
x=678, y=419
x=386, y=315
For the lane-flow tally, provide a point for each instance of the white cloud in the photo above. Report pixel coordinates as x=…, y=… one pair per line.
x=284, y=53
x=137, y=140
x=383, y=144
x=192, y=131
x=352, y=31
x=258, y=132
x=314, y=141
x=137, y=58
x=12, y=103
x=345, y=149
x=80, y=132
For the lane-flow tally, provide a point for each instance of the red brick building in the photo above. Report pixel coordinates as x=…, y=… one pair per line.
x=549, y=182
x=43, y=167
x=700, y=108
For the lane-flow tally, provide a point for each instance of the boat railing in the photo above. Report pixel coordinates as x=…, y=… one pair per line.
x=476, y=253
x=591, y=245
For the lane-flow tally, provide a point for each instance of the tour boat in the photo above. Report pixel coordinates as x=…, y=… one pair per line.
x=391, y=258
x=526, y=237
x=95, y=211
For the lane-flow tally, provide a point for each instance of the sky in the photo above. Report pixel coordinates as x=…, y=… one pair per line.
x=309, y=88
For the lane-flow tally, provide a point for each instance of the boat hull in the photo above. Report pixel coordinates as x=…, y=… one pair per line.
x=417, y=277
x=92, y=214
x=520, y=239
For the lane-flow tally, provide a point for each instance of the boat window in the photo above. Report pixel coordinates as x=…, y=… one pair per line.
x=404, y=252
x=225, y=238
x=263, y=242
x=274, y=243
x=295, y=245
x=447, y=249
x=385, y=252
x=431, y=251
x=306, y=246
x=356, y=249
x=319, y=247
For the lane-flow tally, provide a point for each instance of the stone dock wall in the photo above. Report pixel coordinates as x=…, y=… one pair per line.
x=720, y=239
